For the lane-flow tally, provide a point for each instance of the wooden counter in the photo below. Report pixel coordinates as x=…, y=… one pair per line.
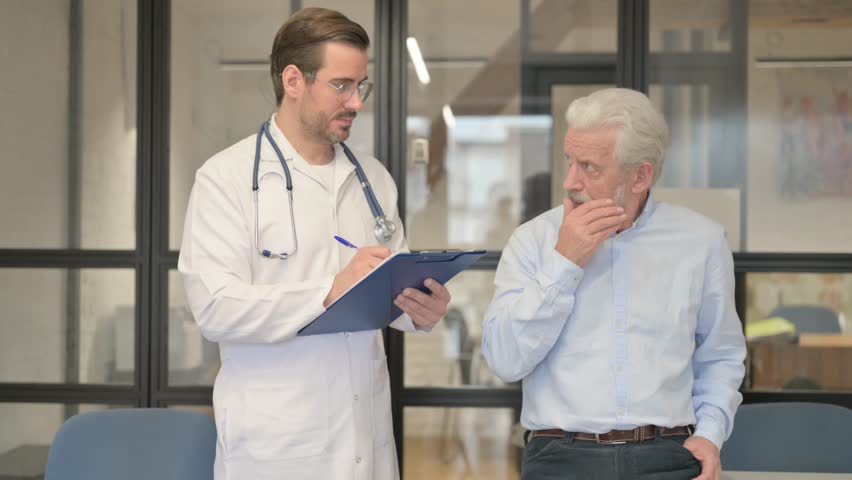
x=823, y=358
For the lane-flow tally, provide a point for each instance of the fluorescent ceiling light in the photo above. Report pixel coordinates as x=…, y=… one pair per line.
x=449, y=118
x=417, y=60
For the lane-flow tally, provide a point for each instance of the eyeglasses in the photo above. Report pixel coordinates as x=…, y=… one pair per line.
x=346, y=89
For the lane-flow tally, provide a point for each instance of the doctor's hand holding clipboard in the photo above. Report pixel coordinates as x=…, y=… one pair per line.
x=424, y=309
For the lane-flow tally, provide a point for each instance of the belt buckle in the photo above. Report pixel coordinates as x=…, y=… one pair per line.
x=608, y=442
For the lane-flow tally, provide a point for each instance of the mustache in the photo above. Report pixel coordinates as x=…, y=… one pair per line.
x=577, y=197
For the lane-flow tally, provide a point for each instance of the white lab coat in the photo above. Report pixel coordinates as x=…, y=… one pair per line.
x=288, y=407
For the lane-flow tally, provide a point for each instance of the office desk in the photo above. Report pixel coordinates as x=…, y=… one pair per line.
x=784, y=476
x=825, y=340
x=818, y=357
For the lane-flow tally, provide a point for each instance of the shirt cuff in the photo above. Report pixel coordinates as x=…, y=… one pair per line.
x=558, y=270
x=710, y=424
x=405, y=324
x=325, y=287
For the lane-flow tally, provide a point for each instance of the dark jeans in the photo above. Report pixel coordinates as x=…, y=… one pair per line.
x=556, y=458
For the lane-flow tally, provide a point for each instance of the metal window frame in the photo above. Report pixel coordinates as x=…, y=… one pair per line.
x=74, y=258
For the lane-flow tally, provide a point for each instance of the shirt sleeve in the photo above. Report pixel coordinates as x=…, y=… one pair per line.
x=718, y=362
x=533, y=299
x=215, y=263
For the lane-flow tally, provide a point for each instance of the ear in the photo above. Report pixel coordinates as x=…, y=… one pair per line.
x=643, y=177
x=293, y=81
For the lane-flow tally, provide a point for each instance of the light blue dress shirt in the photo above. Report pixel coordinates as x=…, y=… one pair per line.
x=645, y=334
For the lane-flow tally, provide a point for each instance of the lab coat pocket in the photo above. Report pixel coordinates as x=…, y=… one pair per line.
x=381, y=402
x=284, y=422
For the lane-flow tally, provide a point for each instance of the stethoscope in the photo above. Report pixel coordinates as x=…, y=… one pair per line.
x=383, y=229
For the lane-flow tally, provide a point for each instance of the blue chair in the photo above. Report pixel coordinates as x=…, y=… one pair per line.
x=134, y=444
x=809, y=318
x=790, y=437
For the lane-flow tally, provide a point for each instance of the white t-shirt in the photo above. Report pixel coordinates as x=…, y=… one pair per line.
x=325, y=174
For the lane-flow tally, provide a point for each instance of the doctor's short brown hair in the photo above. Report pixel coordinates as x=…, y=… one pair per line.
x=300, y=42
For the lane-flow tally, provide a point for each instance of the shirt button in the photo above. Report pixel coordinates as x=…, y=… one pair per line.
x=619, y=368
x=357, y=459
x=620, y=412
x=346, y=334
x=356, y=398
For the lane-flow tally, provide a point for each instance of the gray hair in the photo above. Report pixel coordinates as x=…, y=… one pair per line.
x=643, y=133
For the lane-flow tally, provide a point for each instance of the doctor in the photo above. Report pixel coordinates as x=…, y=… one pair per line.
x=259, y=262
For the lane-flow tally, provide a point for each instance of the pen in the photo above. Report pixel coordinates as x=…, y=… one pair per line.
x=344, y=242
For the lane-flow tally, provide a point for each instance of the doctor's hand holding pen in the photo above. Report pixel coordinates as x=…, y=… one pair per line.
x=424, y=309
x=364, y=261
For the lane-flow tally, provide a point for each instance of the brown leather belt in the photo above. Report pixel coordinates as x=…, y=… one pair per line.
x=617, y=437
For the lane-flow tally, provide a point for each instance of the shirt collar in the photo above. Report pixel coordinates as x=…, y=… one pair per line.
x=645, y=214
x=267, y=153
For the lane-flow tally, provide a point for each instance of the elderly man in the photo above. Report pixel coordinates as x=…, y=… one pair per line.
x=617, y=312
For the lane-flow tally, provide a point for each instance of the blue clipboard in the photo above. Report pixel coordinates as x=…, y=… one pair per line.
x=369, y=304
